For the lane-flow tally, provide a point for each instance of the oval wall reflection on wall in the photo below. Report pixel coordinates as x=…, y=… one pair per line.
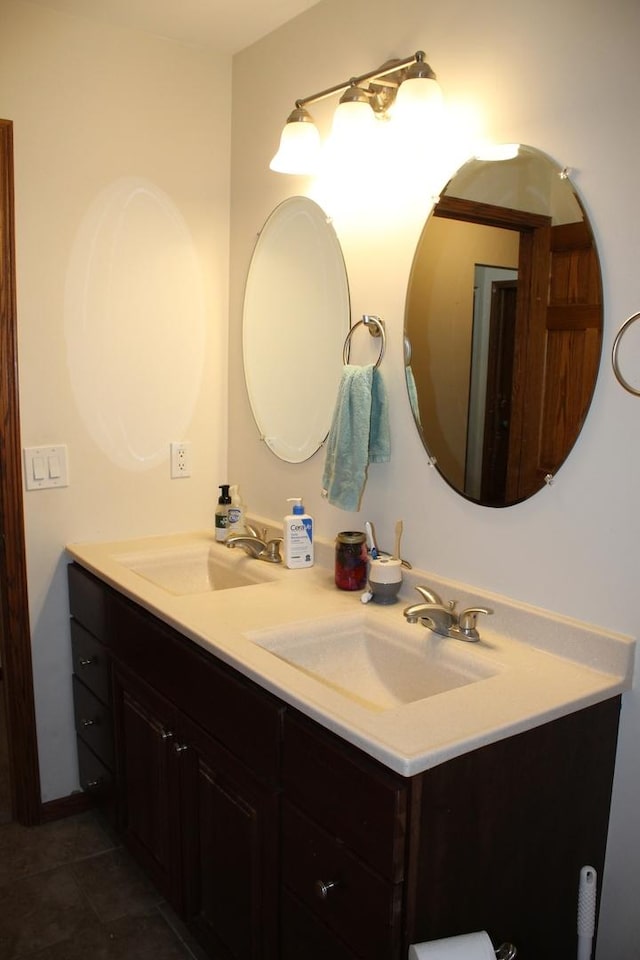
x=134, y=315
x=503, y=327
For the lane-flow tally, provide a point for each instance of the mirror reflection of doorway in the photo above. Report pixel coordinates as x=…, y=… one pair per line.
x=490, y=389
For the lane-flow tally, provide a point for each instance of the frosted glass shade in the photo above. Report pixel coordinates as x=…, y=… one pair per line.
x=352, y=118
x=418, y=98
x=299, y=149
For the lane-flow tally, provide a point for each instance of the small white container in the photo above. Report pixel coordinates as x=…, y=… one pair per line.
x=385, y=579
x=298, y=536
x=235, y=523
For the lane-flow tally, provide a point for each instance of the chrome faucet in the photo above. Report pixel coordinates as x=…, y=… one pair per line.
x=256, y=546
x=442, y=618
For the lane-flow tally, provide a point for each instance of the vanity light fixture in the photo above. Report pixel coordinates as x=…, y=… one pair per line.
x=410, y=82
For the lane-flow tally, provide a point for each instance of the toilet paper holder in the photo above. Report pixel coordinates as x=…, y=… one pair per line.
x=506, y=951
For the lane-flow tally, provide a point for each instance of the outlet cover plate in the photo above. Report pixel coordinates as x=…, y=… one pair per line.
x=180, y=459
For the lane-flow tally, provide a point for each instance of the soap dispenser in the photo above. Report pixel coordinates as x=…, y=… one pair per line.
x=222, y=512
x=298, y=536
x=236, y=511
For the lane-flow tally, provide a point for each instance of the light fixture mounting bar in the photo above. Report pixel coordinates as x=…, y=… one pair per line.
x=391, y=66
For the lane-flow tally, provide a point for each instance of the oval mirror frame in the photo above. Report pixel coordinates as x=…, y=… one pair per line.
x=296, y=316
x=503, y=327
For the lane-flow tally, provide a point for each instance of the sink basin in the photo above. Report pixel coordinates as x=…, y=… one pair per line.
x=380, y=666
x=198, y=567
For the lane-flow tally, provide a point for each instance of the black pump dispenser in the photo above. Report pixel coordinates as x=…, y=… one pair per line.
x=222, y=512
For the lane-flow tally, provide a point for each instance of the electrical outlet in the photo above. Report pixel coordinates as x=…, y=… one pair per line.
x=180, y=459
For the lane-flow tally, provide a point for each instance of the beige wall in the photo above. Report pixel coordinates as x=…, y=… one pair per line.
x=122, y=189
x=564, y=78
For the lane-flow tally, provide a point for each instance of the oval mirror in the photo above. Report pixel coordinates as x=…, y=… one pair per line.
x=503, y=327
x=295, y=320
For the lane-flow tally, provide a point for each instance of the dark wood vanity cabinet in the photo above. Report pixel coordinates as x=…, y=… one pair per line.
x=203, y=826
x=196, y=762
x=273, y=838
x=92, y=690
x=344, y=829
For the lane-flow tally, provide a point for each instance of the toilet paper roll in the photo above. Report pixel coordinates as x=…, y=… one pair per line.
x=469, y=946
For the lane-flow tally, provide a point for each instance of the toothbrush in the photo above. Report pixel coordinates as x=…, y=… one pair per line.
x=399, y=528
x=371, y=540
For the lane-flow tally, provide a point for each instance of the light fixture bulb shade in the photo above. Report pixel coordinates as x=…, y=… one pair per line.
x=299, y=149
x=351, y=118
x=418, y=95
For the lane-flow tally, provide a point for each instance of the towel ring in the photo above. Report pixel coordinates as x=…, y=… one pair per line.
x=376, y=328
x=614, y=355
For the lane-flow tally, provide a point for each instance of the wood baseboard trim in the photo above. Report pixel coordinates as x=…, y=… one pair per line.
x=65, y=807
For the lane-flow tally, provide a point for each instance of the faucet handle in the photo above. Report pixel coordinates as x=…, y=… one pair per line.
x=273, y=550
x=468, y=618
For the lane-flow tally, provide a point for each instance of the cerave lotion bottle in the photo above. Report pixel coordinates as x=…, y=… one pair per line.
x=298, y=536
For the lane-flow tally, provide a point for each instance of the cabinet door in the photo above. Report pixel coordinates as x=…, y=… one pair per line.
x=147, y=761
x=229, y=843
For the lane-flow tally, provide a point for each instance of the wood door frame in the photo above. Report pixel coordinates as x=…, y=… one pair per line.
x=15, y=634
x=534, y=230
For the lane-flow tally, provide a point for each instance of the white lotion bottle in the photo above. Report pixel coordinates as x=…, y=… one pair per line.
x=236, y=511
x=298, y=536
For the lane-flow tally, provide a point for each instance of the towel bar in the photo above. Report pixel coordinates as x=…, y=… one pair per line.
x=614, y=356
x=376, y=328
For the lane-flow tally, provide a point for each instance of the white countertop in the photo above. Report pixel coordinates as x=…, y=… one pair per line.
x=542, y=666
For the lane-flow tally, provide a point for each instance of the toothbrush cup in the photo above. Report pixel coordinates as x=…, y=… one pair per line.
x=385, y=579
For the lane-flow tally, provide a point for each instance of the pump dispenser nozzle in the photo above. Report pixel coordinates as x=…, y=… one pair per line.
x=222, y=512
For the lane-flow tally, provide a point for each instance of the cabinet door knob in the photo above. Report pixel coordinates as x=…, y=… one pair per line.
x=85, y=661
x=324, y=886
x=88, y=723
x=180, y=747
x=94, y=784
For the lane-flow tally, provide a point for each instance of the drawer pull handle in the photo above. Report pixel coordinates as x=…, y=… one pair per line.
x=324, y=886
x=88, y=723
x=180, y=747
x=166, y=734
x=85, y=661
x=94, y=784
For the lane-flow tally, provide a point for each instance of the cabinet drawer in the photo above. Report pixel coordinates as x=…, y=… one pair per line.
x=353, y=797
x=302, y=935
x=90, y=661
x=93, y=722
x=96, y=780
x=87, y=601
x=236, y=712
x=361, y=908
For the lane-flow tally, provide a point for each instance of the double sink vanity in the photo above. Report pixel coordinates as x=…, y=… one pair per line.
x=305, y=775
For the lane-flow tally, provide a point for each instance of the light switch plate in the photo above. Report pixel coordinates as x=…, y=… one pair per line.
x=46, y=467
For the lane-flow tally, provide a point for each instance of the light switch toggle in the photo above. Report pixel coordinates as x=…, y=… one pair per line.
x=46, y=467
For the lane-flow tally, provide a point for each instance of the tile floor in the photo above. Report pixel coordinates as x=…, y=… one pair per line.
x=68, y=891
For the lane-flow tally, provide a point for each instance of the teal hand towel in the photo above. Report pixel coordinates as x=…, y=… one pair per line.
x=359, y=435
x=413, y=393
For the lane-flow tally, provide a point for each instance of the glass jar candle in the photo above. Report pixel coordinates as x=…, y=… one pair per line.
x=351, y=560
